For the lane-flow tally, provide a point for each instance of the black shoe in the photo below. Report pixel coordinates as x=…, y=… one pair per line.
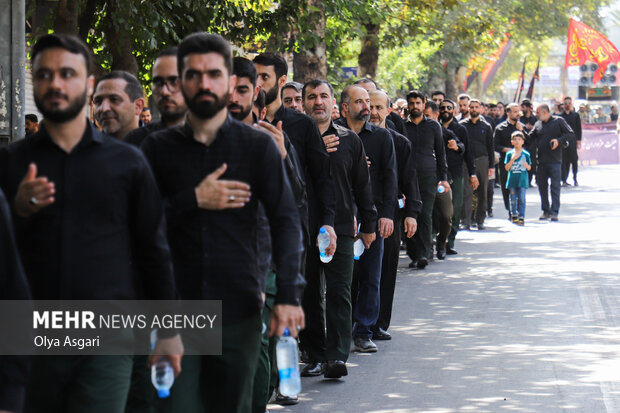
x=514, y=219
x=451, y=251
x=413, y=264
x=381, y=334
x=481, y=227
x=490, y=214
x=285, y=400
x=575, y=182
x=312, y=370
x=554, y=218
x=364, y=345
x=441, y=254
x=335, y=369
x=422, y=263
x=465, y=227
x=545, y=216
x=521, y=222
x=565, y=184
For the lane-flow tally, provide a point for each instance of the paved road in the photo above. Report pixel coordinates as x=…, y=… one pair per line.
x=522, y=320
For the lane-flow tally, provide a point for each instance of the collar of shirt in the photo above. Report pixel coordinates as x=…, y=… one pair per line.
x=188, y=131
x=90, y=136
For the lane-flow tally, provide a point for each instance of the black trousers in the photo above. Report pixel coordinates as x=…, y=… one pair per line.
x=570, y=158
x=503, y=177
x=389, y=268
x=442, y=218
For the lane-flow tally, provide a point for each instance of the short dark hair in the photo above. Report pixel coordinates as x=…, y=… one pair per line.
x=432, y=106
x=501, y=103
x=273, y=59
x=203, y=43
x=492, y=105
x=243, y=67
x=64, y=41
x=450, y=101
x=32, y=118
x=416, y=94
x=133, y=88
x=314, y=83
x=463, y=96
x=260, y=100
x=510, y=106
x=527, y=103
x=365, y=80
x=170, y=51
x=145, y=109
x=439, y=92
x=292, y=85
x=568, y=97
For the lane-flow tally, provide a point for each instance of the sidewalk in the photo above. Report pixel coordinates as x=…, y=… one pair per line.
x=524, y=319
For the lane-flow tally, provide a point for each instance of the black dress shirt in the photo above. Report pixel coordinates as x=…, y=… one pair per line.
x=383, y=173
x=528, y=120
x=574, y=121
x=103, y=237
x=501, y=139
x=13, y=286
x=428, y=147
x=314, y=163
x=397, y=121
x=453, y=158
x=542, y=134
x=480, y=135
x=352, y=179
x=407, y=175
x=468, y=155
x=215, y=251
x=137, y=136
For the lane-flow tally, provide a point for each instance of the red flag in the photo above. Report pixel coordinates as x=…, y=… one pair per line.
x=535, y=77
x=585, y=43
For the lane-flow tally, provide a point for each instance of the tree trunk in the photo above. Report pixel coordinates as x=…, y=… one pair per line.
x=119, y=41
x=66, y=20
x=450, y=73
x=311, y=63
x=369, y=55
x=86, y=18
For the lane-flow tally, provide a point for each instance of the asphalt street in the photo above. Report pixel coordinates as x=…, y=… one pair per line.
x=523, y=319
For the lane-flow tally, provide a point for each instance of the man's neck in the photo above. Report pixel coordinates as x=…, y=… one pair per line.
x=447, y=123
x=120, y=135
x=355, y=125
x=324, y=126
x=513, y=121
x=249, y=120
x=205, y=130
x=273, y=107
x=416, y=120
x=67, y=134
x=474, y=120
x=168, y=123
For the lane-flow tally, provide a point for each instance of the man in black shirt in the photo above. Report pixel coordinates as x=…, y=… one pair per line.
x=166, y=94
x=463, y=99
x=549, y=135
x=379, y=148
x=430, y=155
x=118, y=101
x=409, y=195
x=394, y=120
x=569, y=153
x=502, y=144
x=467, y=168
x=313, y=159
x=353, y=192
x=212, y=226
x=89, y=226
x=481, y=138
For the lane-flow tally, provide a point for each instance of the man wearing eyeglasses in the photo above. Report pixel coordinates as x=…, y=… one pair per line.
x=167, y=95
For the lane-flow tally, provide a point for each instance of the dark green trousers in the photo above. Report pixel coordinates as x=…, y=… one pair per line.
x=78, y=384
x=420, y=245
x=457, y=203
x=219, y=384
x=337, y=312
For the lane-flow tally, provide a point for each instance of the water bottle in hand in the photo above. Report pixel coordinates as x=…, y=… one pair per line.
x=358, y=249
x=441, y=189
x=323, y=239
x=287, y=358
x=162, y=376
x=401, y=203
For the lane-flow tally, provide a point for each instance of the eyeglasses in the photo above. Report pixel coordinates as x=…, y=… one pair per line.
x=446, y=107
x=171, y=82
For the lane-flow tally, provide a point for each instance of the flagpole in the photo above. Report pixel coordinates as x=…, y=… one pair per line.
x=520, y=84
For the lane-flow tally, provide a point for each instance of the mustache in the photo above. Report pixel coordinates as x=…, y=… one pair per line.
x=55, y=94
x=205, y=93
x=235, y=106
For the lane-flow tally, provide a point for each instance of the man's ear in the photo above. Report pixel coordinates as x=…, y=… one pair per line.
x=138, y=105
x=282, y=81
x=90, y=86
x=232, y=84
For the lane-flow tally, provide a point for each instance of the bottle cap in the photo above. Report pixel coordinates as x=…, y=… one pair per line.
x=286, y=332
x=322, y=230
x=163, y=393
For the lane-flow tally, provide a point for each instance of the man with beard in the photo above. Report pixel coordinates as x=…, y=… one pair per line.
x=463, y=100
x=467, y=168
x=328, y=348
x=481, y=137
x=291, y=96
x=394, y=121
x=312, y=154
x=166, y=94
x=383, y=177
x=213, y=171
x=438, y=96
x=32, y=124
x=569, y=153
x=90, y=226
x=430, y=155
x=145, y=116
x=410, y=194
x=118, y=103
x=502, y=142
x=528, y=119
x=501, y=112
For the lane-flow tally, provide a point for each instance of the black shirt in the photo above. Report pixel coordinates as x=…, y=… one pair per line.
x=215, y=252
x=528, y=120
x=397, y=121
x=468, y=156
x=352, y=179
x=428, y=147
x=481, y=137
x=314, y=164
x=501, y=138
x=542, y=134
x=453, y=158
x=137, y=136
x=103, y=237
x=574, y=121
x=407, y=175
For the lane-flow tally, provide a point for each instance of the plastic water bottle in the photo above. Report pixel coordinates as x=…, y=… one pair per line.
x=287, y=356
x=441, y=189
x=323, y=244
x=358, y=249
x=401, y=203
x=162, y=376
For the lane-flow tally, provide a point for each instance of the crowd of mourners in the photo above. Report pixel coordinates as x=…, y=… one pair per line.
x=223, y=198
